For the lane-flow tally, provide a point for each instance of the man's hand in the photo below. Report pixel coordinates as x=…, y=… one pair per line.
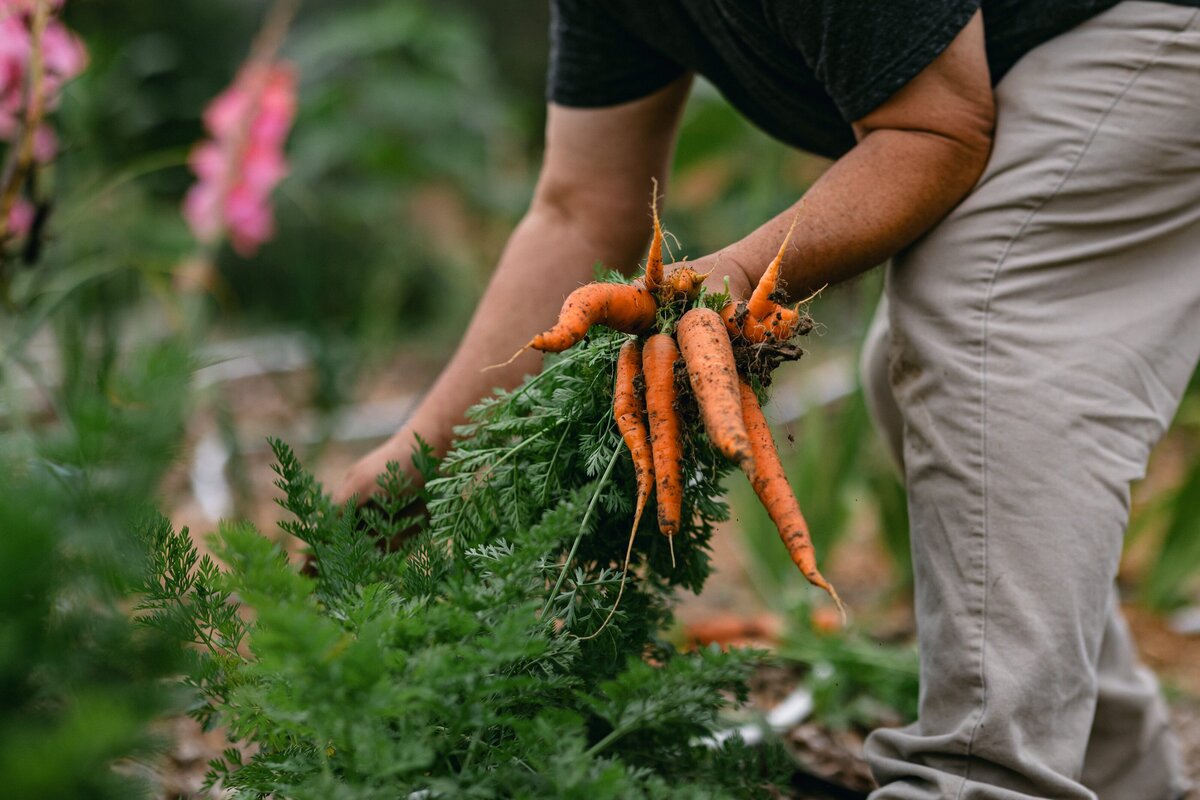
x=590, y=205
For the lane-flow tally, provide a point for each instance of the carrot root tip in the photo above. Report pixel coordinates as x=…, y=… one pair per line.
x=511, y=359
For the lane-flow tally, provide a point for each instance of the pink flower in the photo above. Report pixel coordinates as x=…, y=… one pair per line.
x=64, y=57
x=239, y=167
x=20, y=218
x=24, y=6
x=64, y=53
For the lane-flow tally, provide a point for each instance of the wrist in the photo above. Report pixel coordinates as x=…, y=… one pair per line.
x=433, y=430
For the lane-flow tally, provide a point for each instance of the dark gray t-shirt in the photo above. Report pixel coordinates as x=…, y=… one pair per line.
x=801, y=70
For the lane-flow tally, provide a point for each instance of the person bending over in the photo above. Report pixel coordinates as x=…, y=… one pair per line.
x=1032, y=170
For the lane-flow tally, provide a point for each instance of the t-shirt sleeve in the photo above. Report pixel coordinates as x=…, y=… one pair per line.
x=863, y=51
x=595, y=61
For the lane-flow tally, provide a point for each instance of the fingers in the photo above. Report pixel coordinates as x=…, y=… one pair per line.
x=356, y=484
x=361, y=480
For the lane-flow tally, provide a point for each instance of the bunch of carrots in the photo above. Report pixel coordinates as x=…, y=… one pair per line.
x=645, y=395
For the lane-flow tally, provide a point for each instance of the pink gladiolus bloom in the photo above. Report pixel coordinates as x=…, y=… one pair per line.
x=239, y=167
x=20, y=218
x=24, y=6
x=63, y=57
x=64, y=54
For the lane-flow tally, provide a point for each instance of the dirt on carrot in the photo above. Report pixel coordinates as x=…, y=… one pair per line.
x=666, y=435
x=630, y=413
x=713, y=374
x=771, y=485
x=629, y=308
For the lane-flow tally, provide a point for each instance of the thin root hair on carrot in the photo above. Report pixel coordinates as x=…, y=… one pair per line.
x=511, y=359
x=811, y=297
x=670, y=252
x=637, y=518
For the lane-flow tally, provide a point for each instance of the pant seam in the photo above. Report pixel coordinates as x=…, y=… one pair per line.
x=983, y=381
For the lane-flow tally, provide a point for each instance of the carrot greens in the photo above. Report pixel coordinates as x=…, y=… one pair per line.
x=461, y=664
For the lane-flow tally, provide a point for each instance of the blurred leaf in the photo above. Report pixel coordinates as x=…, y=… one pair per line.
x=1177, y=565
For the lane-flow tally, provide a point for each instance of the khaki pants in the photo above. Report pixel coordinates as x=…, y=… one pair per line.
x=1031, y=350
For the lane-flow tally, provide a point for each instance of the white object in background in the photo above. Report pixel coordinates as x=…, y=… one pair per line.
x=793, y=710
x=207, y=475
x=1186, y=621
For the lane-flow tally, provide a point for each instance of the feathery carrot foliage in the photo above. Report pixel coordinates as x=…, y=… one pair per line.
x=455, y=665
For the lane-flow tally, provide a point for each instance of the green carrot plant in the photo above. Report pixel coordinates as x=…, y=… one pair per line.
x=80, y=683
x=458, y=664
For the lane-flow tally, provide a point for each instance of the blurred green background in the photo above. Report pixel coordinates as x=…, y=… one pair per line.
x=413, y=154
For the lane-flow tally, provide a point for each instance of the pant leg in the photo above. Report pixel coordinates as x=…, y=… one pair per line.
x=877, y=387
x=1042, y=336
x=1130, y=745
x=1131, y=751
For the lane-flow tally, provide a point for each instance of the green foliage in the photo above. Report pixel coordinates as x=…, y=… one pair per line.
x=79, y=683
x=855, y=679
x=1177, y=563
x=891, y=502
x=460, y=662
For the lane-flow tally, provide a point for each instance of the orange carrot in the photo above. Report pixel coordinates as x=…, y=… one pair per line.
x=761, y=318
x=666, y=437
x=771, y=485
x=779, y=325
x=624, y=307
x=684, y=283
x=654, y=259
x=761, y=304
x=713, y=374
x=734, y=317
x=630, y=415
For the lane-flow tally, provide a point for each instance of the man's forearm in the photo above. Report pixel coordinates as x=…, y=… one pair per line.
x=877, y=199
x=548, y=255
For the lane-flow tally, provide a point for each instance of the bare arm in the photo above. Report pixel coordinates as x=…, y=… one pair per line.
x=590, y=204
x=917, y=156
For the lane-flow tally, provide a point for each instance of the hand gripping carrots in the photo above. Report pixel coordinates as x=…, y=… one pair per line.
x=652, y=427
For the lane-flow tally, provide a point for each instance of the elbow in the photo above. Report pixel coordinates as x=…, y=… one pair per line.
x=971, y=159
x=611, y=223
x=977, y=149
x=973, y=139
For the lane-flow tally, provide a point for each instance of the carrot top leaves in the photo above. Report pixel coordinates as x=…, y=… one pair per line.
x=458, y=665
